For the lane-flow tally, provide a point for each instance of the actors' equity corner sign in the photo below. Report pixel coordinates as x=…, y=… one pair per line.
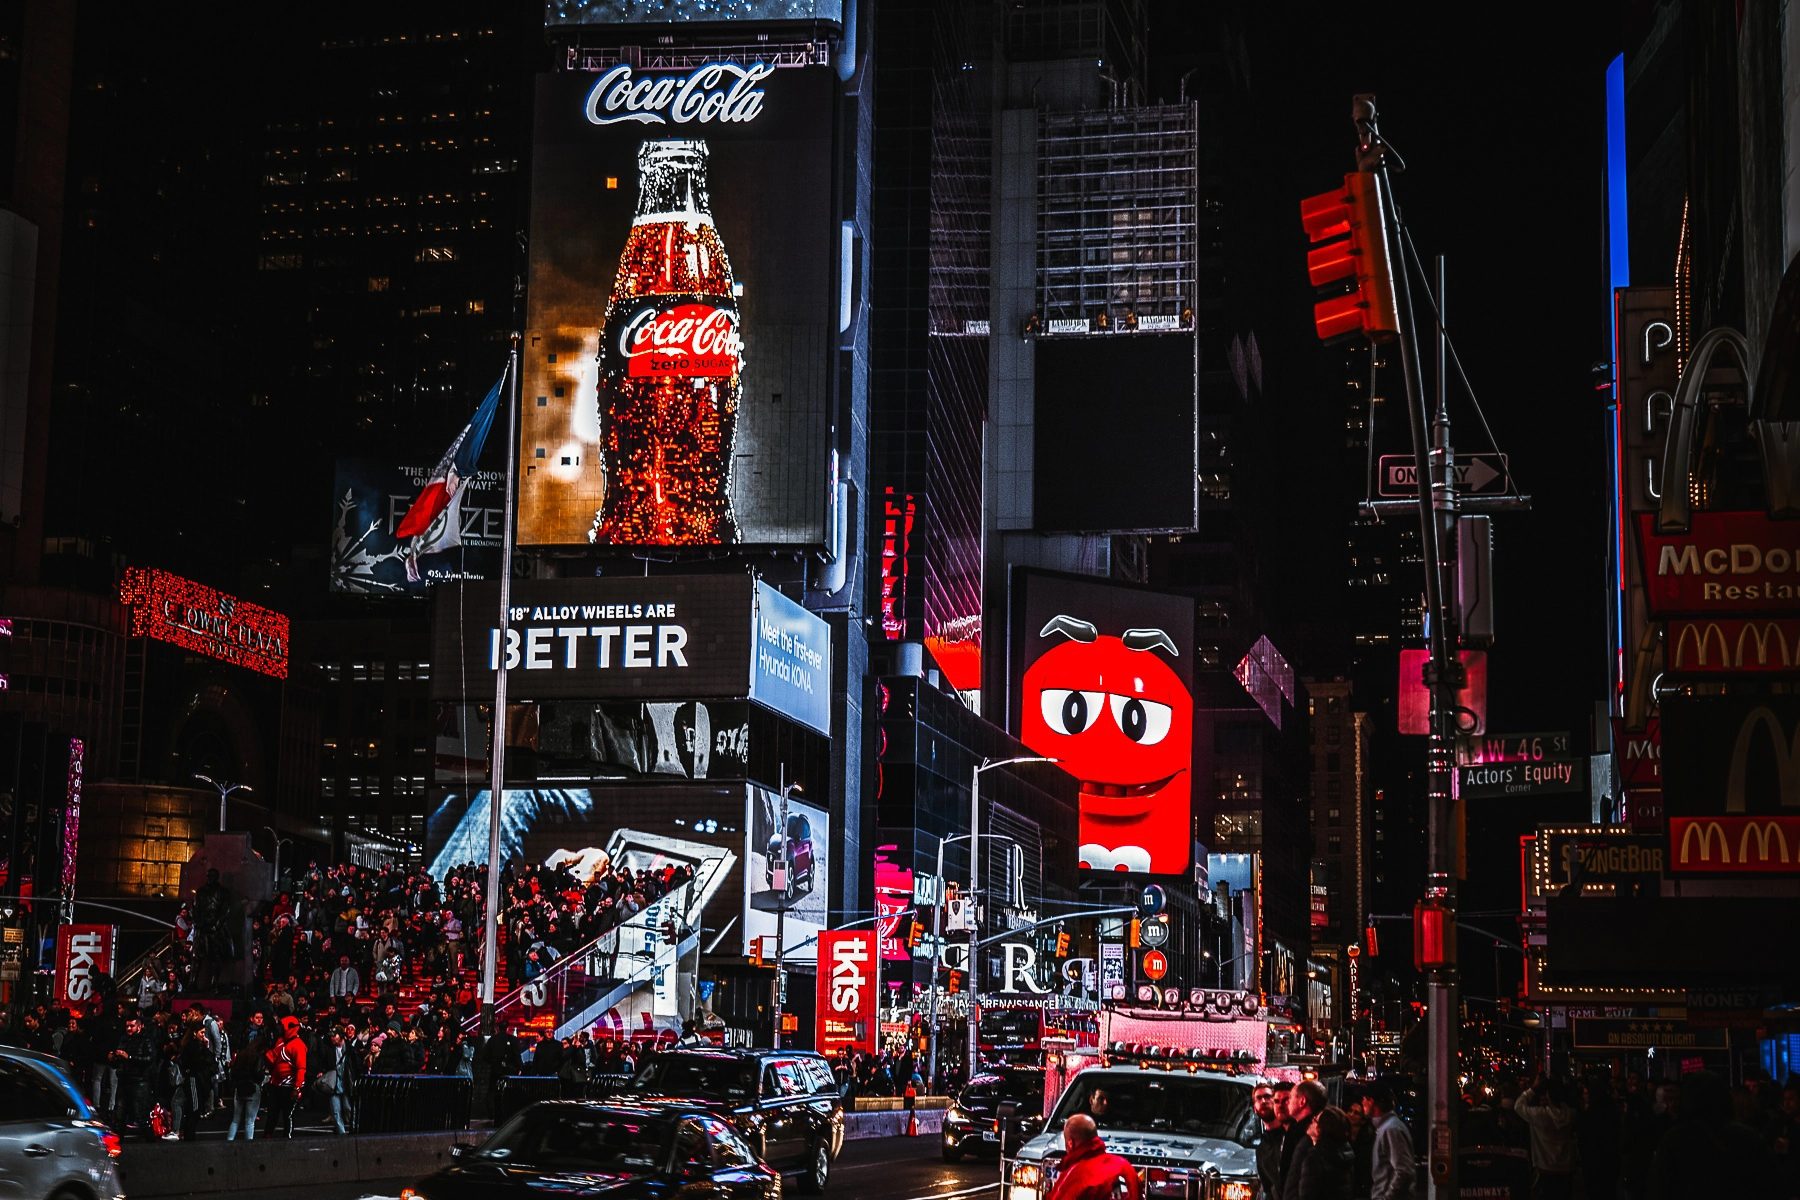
x=1496, y=780
x=847, y=982
x=791, y=672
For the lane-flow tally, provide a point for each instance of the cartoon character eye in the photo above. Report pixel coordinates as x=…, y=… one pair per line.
x=1071, y=712
x=1143, y=721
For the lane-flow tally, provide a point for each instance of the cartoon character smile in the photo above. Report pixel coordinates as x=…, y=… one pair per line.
x=1119, y=719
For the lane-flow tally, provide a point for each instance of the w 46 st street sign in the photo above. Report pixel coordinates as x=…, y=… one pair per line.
x=1476, y=475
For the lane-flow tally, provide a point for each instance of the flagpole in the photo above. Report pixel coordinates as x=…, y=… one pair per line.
x=497, y=782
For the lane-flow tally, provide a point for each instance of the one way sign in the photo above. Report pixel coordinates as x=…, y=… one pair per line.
x=1476, y=475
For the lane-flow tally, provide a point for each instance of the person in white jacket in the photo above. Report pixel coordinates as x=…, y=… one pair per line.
x=1549, y=1111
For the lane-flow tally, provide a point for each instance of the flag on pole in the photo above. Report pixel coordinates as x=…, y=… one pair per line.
x=434, y=522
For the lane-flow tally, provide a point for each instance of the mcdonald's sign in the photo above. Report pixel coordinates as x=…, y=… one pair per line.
x=1727, y=564
x=1738, y=845
x=1733, y=645
x=1731, y=783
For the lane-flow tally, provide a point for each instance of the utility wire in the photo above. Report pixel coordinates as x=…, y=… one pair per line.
x=1412, y=254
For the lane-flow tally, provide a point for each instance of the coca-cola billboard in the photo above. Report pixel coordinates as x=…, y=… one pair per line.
x=677, y=368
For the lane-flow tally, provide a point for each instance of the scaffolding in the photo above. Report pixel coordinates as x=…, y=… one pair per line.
x=1119, y=218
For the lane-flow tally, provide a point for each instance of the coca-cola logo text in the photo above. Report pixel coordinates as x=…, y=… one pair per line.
x=724, y=92
x=687, y=339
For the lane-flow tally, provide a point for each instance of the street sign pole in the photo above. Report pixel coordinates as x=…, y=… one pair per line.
x=1434, y=460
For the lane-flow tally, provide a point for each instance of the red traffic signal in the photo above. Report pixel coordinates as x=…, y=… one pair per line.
x=1434, y=935
x=915, y=934
x=1354, y=218
x=955, y=982
x=1062, y=944
x=1137, y=933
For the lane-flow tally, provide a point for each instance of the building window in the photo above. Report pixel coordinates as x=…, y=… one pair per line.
x=280, y=262
x=1334, y=816
x=436, y=254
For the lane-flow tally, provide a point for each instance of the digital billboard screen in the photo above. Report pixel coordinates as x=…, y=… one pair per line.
x=688, y=12
x=1102, y=681
x=682, y=278
x=369, y=500
x=1117, y=435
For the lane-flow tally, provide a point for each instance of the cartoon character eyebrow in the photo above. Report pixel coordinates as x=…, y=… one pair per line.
x=1149, y=639
x=1079, y=630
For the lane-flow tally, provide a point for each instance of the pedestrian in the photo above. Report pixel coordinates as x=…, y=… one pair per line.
x=1304, y=1101
x=287, y=1075
x=249, y=1071
x=345, y=982
x=339, y=1078
x=1362, y=1146
x=1267, y=1103
x=1546, y=1108
x=1088, y=1171
x=1328, y=1165
x=135, y=1058
x=1392, y=1168
x=1706, y=1153
x=1598, y=1137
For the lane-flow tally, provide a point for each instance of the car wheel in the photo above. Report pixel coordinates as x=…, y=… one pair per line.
x=818, y=1170
x=952, y=1153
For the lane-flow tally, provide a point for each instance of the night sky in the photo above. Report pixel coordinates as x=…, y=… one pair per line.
x=1499, y=115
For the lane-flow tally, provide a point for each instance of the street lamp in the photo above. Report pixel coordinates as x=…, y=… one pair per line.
x=937, y=946
x=279, y=843
x=225, y=789
x=975, y=891
x=781, y=908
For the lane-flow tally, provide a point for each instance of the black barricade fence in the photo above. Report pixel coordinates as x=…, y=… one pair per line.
x=412, y=1103
x=521, y=1091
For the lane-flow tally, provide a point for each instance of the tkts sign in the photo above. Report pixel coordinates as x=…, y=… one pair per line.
x=82, y=953
x=1731, y=784
x=848, y=979
x=1727, y=564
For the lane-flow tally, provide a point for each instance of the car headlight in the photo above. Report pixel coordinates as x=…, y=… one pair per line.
x=956, y=1117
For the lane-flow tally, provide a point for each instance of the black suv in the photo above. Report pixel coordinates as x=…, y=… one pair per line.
x=785, y=1103
x=974, y=1122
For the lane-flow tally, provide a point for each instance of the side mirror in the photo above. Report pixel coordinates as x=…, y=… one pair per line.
x=461, y=1150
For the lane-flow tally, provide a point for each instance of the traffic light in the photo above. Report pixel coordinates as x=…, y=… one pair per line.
x=1354, y=218
x=756, y=957
x=1062, y=944
x=955, y=982
x=1137, y=928
x=915, y=935
x=1434, y=935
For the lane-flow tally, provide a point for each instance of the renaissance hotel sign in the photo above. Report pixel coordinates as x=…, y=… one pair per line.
x=689, y=637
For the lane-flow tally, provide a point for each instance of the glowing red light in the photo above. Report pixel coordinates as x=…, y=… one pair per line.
x=198, y=618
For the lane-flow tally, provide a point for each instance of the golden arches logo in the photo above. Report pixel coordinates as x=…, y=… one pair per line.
x=1787, y=759
x=1703, y=638
x=1763, y=632
x=1707, y=831
x=1766, y=832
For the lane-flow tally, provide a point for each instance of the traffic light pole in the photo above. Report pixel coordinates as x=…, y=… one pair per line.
x=1433, y=460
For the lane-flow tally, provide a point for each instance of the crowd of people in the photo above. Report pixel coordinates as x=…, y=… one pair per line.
x=1558, y=1137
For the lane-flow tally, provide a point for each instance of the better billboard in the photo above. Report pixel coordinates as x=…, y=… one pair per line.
x=370, y=498
x=1117, y=434
x=677, y=363
x=1102, y=681
x=667, y=637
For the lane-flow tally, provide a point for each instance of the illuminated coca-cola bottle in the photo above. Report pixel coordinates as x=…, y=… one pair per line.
x=670, y=364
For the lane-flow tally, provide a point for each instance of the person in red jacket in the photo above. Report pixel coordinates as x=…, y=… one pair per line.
x=1088, y=1171
x=287, y=1075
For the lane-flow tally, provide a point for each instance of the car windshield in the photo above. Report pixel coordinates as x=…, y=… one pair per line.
x=1139, y=1103
x=553, y=1138
x=703, y=1076
x=1023, y=1088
